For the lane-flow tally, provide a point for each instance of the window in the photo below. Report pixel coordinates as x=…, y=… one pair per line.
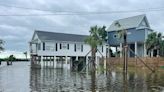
x=81, y=48
x=75, y=47
x=116, y=35
x=56, y=47
x=39, y=47
x=43, y=46
x=48, y=48
x=64, y=46
x=78, y=47
x=68, y=46
x=60, y=46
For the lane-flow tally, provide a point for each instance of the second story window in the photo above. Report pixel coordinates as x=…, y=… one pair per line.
x=64, y=46
x=39, y=46
x=75, y=47
x=56, y=47
x=81, y=48
x=68, y=46
x=60, y=46
x=43, y=46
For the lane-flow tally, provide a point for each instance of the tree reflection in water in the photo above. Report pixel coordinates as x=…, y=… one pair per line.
x=57, y=80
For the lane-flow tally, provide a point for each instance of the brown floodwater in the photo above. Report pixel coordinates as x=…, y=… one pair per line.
x=21, y=78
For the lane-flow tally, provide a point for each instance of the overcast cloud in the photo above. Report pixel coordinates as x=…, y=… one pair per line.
x=17, y=31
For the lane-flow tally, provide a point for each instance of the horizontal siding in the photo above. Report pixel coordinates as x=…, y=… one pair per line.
x=133, y=36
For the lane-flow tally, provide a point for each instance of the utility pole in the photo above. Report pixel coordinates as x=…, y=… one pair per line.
x=125, y=68
x=123, y=34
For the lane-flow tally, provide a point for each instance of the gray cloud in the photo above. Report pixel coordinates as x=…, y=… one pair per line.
x=17, y=31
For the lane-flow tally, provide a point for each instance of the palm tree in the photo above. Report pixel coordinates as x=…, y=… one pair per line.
x=25, y=53
x=154, y=41
x=97, y=37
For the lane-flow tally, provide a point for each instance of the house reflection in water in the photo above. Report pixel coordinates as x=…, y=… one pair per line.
x=56, y=80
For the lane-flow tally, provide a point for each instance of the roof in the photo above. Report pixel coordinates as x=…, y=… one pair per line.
x=53, y=36
x=130, y=22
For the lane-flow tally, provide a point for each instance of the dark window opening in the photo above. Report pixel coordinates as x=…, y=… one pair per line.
x=60, y=46
x=81, y=48
x=43, y=46
x=75, y=47
x=56, y=47
x=68, y=46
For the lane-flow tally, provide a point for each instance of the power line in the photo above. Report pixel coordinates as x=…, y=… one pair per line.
x=75, y=12
x=137, y=10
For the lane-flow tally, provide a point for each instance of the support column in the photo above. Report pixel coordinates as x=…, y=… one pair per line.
x=66, y=61
x=152, y=53
x=105, y=65
x=136, y=49
x=96, y=62
x=157, y=52
x=87, y=64
x=116, y=52
x=145, y=50
x=121, y=50
x=77, y=58
x=41, y=61
x=55, y=63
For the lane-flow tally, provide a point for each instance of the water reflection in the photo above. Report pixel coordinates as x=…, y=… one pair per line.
x=21, y=78
x=54, y=80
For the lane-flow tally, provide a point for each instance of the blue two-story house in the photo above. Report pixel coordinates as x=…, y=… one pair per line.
x=137, y=28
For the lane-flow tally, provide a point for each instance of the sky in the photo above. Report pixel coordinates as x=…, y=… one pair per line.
x=17, y=31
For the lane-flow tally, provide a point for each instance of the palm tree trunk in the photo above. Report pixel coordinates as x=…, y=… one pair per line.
x=93, y=57
x=93, y=72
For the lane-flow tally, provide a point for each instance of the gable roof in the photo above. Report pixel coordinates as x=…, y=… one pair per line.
x=53, y=36
x=130, y=22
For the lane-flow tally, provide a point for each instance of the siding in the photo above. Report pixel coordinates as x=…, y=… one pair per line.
x=135, y=35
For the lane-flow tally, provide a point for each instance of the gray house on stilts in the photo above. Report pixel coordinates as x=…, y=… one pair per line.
x=137, y=28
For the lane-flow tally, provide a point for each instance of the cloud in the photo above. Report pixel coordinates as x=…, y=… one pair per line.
x=17, y=30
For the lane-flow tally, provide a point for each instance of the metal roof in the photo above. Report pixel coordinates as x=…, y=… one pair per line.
x=53, y=36
x=127, y=23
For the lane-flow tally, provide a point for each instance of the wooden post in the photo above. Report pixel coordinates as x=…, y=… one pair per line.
x=125, y=68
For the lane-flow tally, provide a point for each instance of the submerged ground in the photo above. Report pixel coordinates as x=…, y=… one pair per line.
x=21, y=78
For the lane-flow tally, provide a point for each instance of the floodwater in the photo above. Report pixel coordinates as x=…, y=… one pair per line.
x=21, y=78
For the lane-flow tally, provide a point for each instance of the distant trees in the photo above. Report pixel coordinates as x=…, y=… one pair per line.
x=1, y=46
x=25, y=53
x=154, y=42
x=10, y=59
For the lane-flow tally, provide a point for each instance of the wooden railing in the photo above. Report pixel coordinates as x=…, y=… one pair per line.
x=150, y=61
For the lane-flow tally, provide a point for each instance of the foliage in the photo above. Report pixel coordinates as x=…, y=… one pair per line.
x=1, y=45
x=154, y=41
x=111, y=53
x=97, y=36
x=25, y=53
x=11, y=58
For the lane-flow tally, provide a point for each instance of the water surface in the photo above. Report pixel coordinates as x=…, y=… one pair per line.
x=21, y=78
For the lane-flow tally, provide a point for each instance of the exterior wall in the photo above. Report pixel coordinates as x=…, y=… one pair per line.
x=61, y=56
x=50, y=49
x=33, y=46
x=133, y=36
